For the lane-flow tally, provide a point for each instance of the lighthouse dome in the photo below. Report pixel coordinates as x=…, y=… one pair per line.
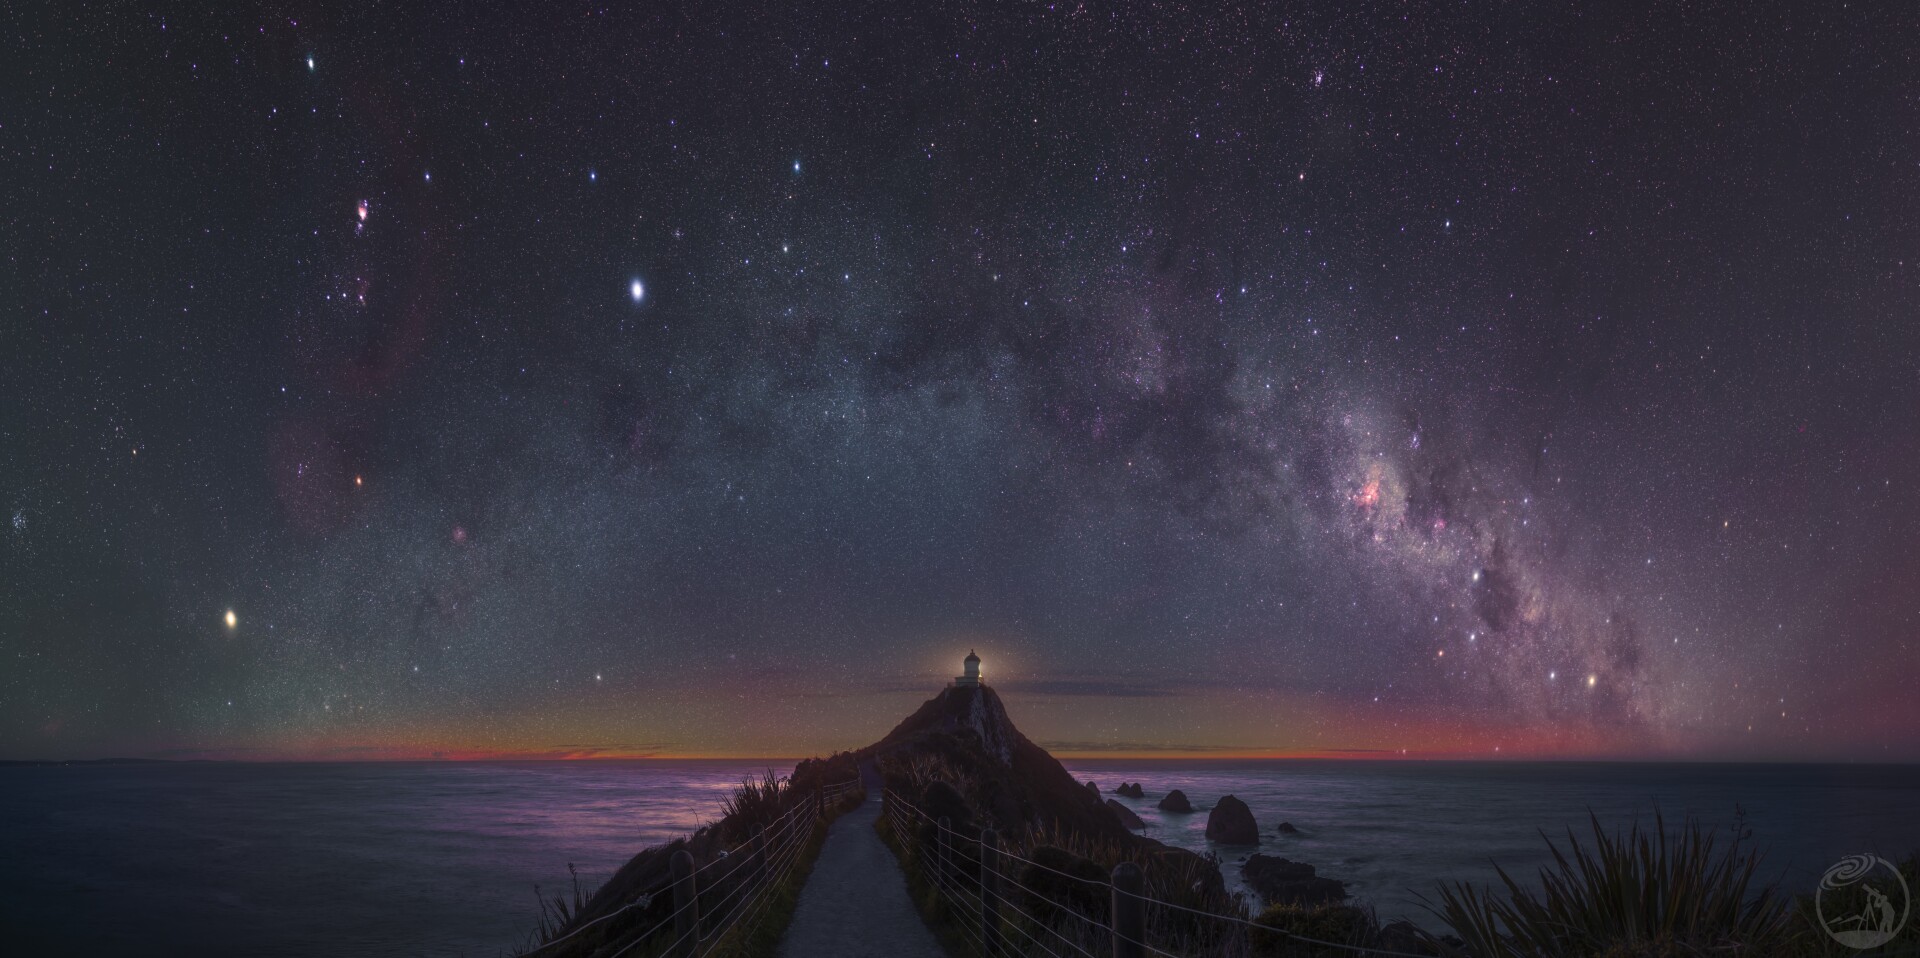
x=970, y=675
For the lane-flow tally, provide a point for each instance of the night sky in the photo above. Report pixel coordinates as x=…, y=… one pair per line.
x=1477, y=379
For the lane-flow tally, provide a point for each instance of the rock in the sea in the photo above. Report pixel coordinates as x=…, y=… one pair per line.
x=1127, y=817
x=1279, y=881
x=1231, y=823
x=1095, y=789
x=1176, y=801
x=1286, y=828
x=1132, y=790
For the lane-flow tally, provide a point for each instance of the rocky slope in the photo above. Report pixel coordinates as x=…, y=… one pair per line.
x=964, y=738
x=960, y=757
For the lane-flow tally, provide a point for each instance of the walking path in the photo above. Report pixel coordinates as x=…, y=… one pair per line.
x=855, y=904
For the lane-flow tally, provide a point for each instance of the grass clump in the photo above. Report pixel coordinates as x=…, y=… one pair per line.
x=1641, y=894
x=759, y=800
x=1336, y=923
x=559, y=911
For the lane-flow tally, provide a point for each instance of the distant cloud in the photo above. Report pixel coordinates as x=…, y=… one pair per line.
x=1125, y=688
x=209, y=752
x=1070, y=746
x=623, y=749
x=1190, y=748
x=374, y=753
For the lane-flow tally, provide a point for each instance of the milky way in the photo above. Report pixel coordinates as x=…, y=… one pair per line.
x=1356, y=382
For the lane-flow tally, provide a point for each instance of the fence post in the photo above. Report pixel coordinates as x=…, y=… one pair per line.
x=758, y=876
x=820, y=802
x=1129, y=924
x=990, y=891
x=686, y=901
x=941, y=835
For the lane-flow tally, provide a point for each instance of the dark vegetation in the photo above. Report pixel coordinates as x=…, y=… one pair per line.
x=959, y=758
x=1653, y=893
x=638, y=899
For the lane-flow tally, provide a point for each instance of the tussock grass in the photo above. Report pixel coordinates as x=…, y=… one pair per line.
x=559, y=911
x=644, y=882
x=1639, y=893
x=758, y=801
x=1340, y=924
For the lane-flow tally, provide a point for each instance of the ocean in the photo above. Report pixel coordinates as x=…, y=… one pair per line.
x=376, y=859
x=441, y=858
x=1393, y=830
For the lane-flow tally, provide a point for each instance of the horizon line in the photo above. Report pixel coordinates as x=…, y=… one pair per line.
x=1335, y=755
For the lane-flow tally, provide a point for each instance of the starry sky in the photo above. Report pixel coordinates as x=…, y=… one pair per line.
x=1462, y=380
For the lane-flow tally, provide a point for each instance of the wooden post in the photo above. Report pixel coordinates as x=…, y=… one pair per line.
x=1129, y=922
x=686, y=902
x=820, y=802
x=943, y=840
x=990, y=891
x=758, y=875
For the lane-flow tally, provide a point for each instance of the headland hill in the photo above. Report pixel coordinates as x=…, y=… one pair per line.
x=1001, y=850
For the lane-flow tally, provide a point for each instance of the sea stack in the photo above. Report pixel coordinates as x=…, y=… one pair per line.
x=1231, y=823
x=1279, y=881
x=1176, y=801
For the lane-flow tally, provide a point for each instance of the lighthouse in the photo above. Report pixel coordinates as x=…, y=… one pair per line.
x=970, y=675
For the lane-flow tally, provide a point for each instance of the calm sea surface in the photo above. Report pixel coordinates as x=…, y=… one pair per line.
x=324, y=859
x=441, y=859
x=1391, y=830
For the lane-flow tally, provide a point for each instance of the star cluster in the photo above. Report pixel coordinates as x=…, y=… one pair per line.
x=1362, y=380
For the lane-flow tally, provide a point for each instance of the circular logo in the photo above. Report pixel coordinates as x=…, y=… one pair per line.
x=1855, y=901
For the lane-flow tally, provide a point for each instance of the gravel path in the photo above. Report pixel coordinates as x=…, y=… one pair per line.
x=855, y=903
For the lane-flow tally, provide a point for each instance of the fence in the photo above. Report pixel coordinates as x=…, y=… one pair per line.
x=730, y=891
x=990, y=912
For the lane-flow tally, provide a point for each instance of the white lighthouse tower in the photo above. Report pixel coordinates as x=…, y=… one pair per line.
x=970, y=676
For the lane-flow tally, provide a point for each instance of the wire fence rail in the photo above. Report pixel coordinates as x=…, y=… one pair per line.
x=1000, y=914
x=731, y=891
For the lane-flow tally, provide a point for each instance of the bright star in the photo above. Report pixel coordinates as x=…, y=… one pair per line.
x=309, y=62
x=638, y=290
x=1592, y=679
x=796, y=166
x=232, y=620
